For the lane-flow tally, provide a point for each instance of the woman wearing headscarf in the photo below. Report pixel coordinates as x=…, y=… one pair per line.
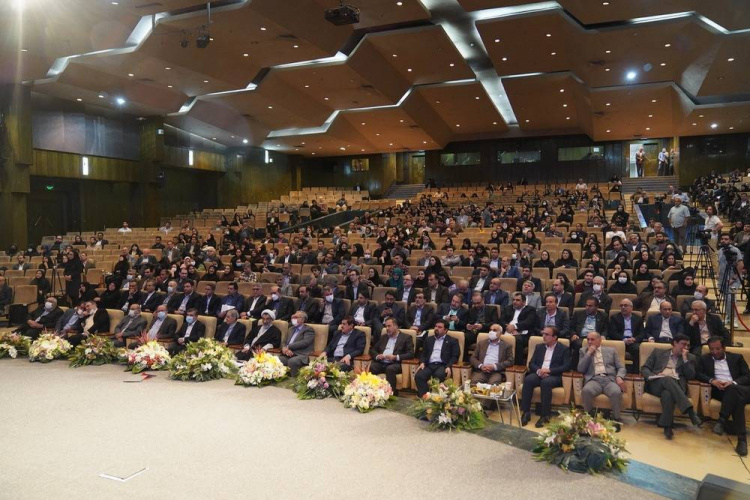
x=623, y=284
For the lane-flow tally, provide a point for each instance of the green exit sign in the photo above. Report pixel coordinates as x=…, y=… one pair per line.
x=49, y=187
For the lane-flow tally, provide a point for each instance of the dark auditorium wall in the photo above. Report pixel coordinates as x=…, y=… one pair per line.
x=700, y=155
x=548, y=169
x=249, y=179
x=337, y=172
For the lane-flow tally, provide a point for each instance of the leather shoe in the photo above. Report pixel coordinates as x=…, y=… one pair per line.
x=617, y=425
x=742, y=447
x=541, y=422
x=719, y=428
x=695, y=419
x=525, y=419
x=668, y=433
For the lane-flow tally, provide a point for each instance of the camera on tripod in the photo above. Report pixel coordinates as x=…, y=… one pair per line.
x=704, y=235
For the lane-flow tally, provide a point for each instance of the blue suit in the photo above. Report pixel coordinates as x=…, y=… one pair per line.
x=653, y=328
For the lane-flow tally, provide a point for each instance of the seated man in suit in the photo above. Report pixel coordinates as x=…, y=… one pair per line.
x=440, y=353
x=232, y=300
x=130, y=326
x=263, y=335
x=308, y=304
x=151, y=298
x=388, y=352
x=454, y=313
x=299, y=343
x=231, y=331
x=700, y=294
x=667, y=372
x=519, y=320
x=548, y=362
x=162, y=327
x=191, y=330
x=95, y=321
x=729, y=376
x=70, y=323
x=390, y=309
x=481, y=282
x=605, y=301
x=490, y=358
x=564, y=299
x=479, y=319
x=664, y=327
x=527, y=276
x=334, y=310
x=406, y=293
x=627, y=327
x=435, y=292
x=703, y=326
x=171, y=294
x=188, y=300
x=584, y=322
x=347, y=344
x=365, y=313
x=355, y=285
x=496, y=295
x=255, y=303
x=43, y=318
x=210, y=303
x=132, y=296
x=420, y=318
x=648, y=301
x=553, y=315
x=533, y=299
x=603, y=373
x=282, y=307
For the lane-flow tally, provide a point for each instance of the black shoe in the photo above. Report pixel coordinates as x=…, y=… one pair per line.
x=668, y=433
x=695, y=419
x=746, y=311
x=541, y=422
x=719, y=427
x=617, y=425
x=525, y=419
x=742, y=447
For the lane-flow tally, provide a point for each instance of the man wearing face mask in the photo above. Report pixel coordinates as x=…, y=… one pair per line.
x=43, y=318
x=162, y=327
x=95, y=322
x=171, y=296
x=597, y=292
x=700, y=294
x=334, y=311
x=131, y=277
x=263, y=335
x=130, y=326
x=282, y=307
x=299, y=343
x=490, y=358
x=71, y=322
x=191, y=331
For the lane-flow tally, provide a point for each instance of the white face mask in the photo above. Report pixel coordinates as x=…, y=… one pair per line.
x=698, y=296
x=274, y=296
x=329, y=298
x=622, y=280
x=513, y=256
x=133, y=313
x=295, y=322
x=170, y=289
x=367, y=256
x=597, y=288
x=493, y=336
x=161, y=315
x=48, y=306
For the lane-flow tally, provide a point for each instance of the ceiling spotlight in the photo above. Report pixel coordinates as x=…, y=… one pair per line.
x=653, y=100
x=714, y=125
x=631, y=75
x=342, y=148
x=101, y=96
x=567, y=118
x=363, y=123
x=731, y=128
x=79, y=99
x=244, y=141
x=505, y=58
x=663, y=64
x=476, y=97
x=395, y=55
x=167, y=68
x=131, y=74
x=562, y=90
x=494, y=123
x=245, y=55
x=648, y=128
x=650, y=116
x=296, y=46
x=409, y=70
x=24, y=50
x=694, y=124
x=608, y=131
x=497, y=40
x=527, y=121
x=609, y=104
x=458, y=124
x=731, y=59
x=605, y=3
x=399, y=3
x=667, y=45
x=700, y=116
x=607, y=51
x=325, y=98
x=120, y=101
x=169, y=86
x=262, y=28
x=553, y=53
x=549, y=35
x=606, y=69
x=565, y=105
x=451, y=65
x=115, y=3
x=205, y=81
x=270, y=107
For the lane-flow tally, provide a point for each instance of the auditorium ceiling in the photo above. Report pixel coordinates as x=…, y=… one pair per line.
x=411, y=75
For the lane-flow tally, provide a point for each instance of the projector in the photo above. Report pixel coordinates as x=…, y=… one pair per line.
x=345, y=14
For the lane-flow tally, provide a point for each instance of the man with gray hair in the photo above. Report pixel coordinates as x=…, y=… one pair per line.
x=603, y=373
x=702, y=326
x=296, y=350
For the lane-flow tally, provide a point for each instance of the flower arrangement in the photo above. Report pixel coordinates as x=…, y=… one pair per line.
x=95, y=350
x=367, y=392
x=203, y=360
x=48, y=347
x=581, y=443
x=448, y=407
x=13, y=344
x=148, y=356
x=320, y=379
x=262, y=369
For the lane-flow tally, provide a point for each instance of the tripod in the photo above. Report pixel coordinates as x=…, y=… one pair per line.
x=57, y=290
x=705, y=273
x=730, y=282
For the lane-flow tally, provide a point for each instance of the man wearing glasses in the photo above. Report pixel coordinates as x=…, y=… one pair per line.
x=627, y=327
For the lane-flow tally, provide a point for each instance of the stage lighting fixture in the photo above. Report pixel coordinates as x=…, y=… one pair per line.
x=342, y=15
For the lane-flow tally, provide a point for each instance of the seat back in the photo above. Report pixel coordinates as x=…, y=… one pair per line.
x=745, y=351
x=321, y=337
x=647, y=348
x=283, y=327
x=115, y=316
x=24, y=294
x=210, y=322
x=179, y=318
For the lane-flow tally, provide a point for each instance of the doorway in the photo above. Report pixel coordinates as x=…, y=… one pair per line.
x=652, y=156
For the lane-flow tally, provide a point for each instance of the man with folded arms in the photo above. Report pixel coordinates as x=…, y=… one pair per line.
x=491, y=357
x=231, y=331
x=389, y=351
x=347, y=344
x=162, y=327
x=299, y=344
x=702, y=326
x=263, y=335
x=729, y=376
x=440, y=352
x=603, y=373
x=550, y=360
x=667, y=372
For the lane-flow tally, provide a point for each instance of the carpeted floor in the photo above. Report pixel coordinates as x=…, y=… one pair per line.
x=63, y=427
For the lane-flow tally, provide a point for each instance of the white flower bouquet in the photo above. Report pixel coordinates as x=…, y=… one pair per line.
x=367, y=392
x=203, y=360
x=95, y=350
x=261, y=370
x=48, y=347
x=13, y=344
x=149, y=356
x=448, y=407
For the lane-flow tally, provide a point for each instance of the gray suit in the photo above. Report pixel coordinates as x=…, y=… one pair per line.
x=670, y=391
x=594, y=384
x=301, y=346
x=534, y=300
x=130, y=327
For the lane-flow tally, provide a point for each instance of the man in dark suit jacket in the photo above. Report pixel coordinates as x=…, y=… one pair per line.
x=454, y=313
x=563, y=298
x=389, y=351
x=552, y=315
x=97, y=324
x=70, y=322
x=526, y=276
x=434, y=291
x=347, y=344
x=605, y=301
x=479, y=319
x=282, y=307
x=390, y=308
x=191, y=331
x=490, y=359
x=365, y=313
x=255, y=303
x=627, y=327
x=544, y=374
x=496, y=296
x=132, y=296
x=308, y=304
x=732, y=389
x=187, y=300
x=209, y=304
x=353, y=283
x=162, y=327
x=655, y=330
x=583, y=322
x=420, y=318
x=334, y=310
x=645, y=300
x=263, y=335
x=481, y=281
x=440, y=353
x=44, y=317
x=407, y=293
x=667, y=372
x=703, y=326
x=520, y=321
x=231, y=331
x=700, y=290
x=151, y=298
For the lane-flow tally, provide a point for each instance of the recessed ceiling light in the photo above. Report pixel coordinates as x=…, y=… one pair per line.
x=458, y=124
x=497, y=40
x=307, y=86
x=211, y=39
x=424, y=142
x=731, y=128
x=451, y=65
x=362, y=150
x=549, y=35
x=363, y=123
x=270, y=107
x=505, y=58
x=390, y=144
x=325, y=98
x=262, y=28
x=567, y=118
x=79, y=99
x=731, y=59
x=494, y=123
x=401, y=121
x=663, y=64
x=476, y=97
x=245, y=55
x=213, y=138
x=437, y=102
x=607, y=51
x=101, y=96
x=244, y=141
x=167, y=68
x=700, y=116
x=653, y=100
x=527, y=121
x=565, y=105
x=313, y=154
x=648, y=128
x=395, y=55
x=631, y=75
x=205, y=81
x=606, y=69
x=120, y=101
x=131, y=74
x=608, y=131
x=694, y=124
x=553, y=53
x=667, y=45
x=342, y=148
x=605, y=3
x=232, y=137
x=562, y=90
x=296, y=46
x=409, y=70
x=115, y=3
x=24, y=50
x=169, y=86
x=650, y=116
x=378, y=134
x=714, y=125
x=609, y=104
x=399, y=3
